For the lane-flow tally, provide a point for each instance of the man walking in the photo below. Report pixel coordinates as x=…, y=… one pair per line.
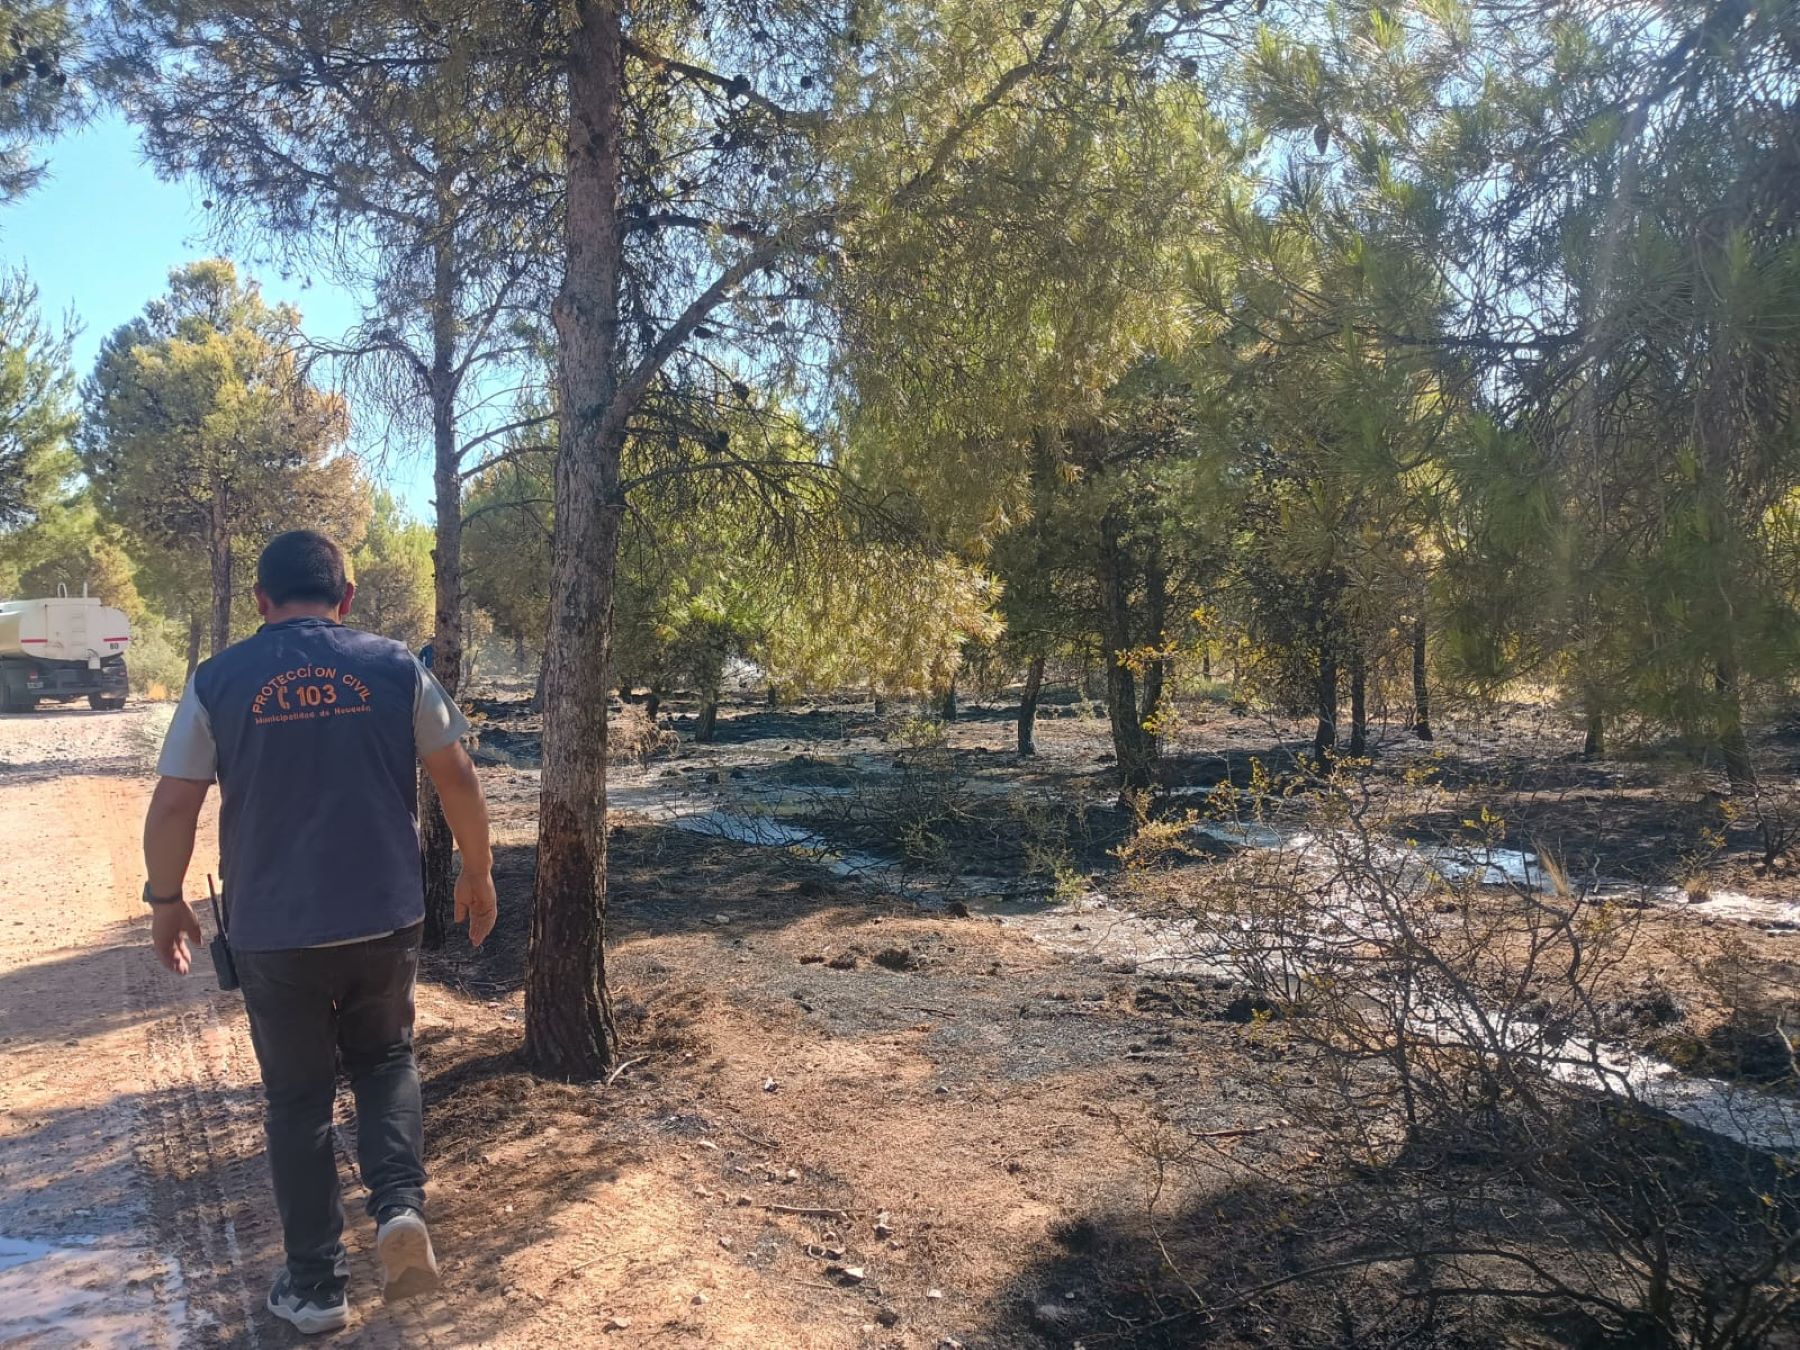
x=313, y=731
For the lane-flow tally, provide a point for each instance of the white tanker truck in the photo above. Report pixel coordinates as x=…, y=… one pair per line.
x=62, y=649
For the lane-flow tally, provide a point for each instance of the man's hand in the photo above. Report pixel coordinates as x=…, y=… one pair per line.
x=171, y=926
x=168, y=846
x=459, y=793
x=475, y=901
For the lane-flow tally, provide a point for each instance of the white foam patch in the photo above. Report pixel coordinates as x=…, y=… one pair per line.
x=84, y=1292
x=1096, y=929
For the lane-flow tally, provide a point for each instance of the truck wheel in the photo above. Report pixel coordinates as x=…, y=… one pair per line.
x=101, y=703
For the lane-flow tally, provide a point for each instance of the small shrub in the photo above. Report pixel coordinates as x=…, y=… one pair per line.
x=632, y=738
x=1441, y=1016
x=157, y=661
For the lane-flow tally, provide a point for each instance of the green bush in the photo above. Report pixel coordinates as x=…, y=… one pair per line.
x=157, y=660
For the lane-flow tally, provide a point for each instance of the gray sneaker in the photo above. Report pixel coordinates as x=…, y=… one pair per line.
x=309, y=1311
x=408, y=1265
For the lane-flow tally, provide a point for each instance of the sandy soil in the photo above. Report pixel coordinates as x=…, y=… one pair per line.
x=134, y=1208
x=842, y=1121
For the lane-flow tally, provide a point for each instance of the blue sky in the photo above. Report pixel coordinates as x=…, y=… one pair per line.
x=100, y=234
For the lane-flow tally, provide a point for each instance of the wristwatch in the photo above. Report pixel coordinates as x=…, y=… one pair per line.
x=154, y=900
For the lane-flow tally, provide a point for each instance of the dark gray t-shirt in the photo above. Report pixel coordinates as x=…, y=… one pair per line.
x=313, y=732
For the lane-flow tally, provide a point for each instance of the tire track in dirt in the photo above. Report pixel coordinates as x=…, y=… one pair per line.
x=193, y=1202
x=189, y=1120
x=135, y=1206
x=202, y=1157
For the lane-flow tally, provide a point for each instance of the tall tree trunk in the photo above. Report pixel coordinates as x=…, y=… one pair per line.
x=947, y=706
x=1028, y=706
x=218, y=558
x=519, y=653
x=1325, y=737
x=1359, y=699
x=1156, y=598
x=1130, y=743
x=710, y=680
x=446, y=556
x=196, y=634
x=569, y=1031
x=1593, y=746
x=1740, y=773
x=1421, y=690
x=1328, y=628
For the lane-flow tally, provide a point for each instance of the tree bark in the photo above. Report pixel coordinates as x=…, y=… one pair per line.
x=710, y=681
x=569, y=1030
x=1325, y=737
x=947, y=707
x=1421, y=690
x=1359, y=700
x=1740, y=773
x=446, y=556
x=1156, y=597
x=1328, y=626
x=1131, y=745
x=1593, y=745
x=1028, y=706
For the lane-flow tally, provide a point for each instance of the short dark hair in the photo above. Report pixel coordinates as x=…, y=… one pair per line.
x=302, y=565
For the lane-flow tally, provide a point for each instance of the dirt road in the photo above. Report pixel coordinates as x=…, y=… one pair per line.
x=134, y=1205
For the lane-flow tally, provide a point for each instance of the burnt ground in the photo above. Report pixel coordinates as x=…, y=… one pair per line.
x=821, y=1078
x=818, y=1078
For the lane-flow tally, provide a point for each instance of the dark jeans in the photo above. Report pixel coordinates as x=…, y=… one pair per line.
x=309, y=1008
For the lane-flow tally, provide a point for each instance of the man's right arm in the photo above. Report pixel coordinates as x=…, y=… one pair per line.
x=187, y=766
x=459, y=791
x=438, y=729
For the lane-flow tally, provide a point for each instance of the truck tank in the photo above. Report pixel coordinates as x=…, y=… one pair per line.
x=62, y=648
x=74, y=628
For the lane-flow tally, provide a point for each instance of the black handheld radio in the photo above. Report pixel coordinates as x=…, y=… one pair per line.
x=223, y=966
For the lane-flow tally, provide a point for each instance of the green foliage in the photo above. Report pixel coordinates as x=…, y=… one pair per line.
x=158, y=661
x=204, y=436
x=36, y=417
x=1001, y=299
x=392, y=569
x=880, y=617
x=506, y=545
x=37, y=44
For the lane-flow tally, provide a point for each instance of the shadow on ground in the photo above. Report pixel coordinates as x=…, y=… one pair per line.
x=51, y=999
x=1446, y=1246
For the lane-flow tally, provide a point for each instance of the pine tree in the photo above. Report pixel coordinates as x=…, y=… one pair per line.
x=203, y=435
